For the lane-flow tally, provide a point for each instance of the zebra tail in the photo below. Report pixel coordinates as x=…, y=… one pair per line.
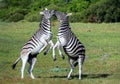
x=14, y=65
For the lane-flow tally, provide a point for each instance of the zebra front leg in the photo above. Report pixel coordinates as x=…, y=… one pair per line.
x=72, y=68
x=32, y=63
x=51, y=46
x=60, y=53
x=54, y=47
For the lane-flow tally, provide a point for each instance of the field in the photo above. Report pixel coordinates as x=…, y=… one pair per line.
x=102, y=64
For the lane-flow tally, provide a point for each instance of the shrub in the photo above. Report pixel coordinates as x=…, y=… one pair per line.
x=104, y=11
x=116, y=15
x=22, y=11
x=16, y=17
x=33, y=17
x=84, y=10
x=76, y=17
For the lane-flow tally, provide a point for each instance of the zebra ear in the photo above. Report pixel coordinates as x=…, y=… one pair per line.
x=52, y=12
x=69, y=14
x=46, y=9
x=41, y=13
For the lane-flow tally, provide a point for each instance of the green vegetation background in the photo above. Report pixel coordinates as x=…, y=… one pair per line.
x=83, y=10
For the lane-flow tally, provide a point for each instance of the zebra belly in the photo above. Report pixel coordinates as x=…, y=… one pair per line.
x=37, y=49
x=75, y=52
x=62, y=40
x=45, y=37
x=75, y=56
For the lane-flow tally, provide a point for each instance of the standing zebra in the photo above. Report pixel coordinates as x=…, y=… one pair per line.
x=36, y=44
x=71, y=45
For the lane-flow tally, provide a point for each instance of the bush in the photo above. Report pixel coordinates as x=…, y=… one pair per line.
x=16, y=17
x=3, y=14
x=13, y=15
x=77, y=17
x=37, y=5
x=116, y=15
x=84, y=10
x=33, y=17
x=22, y=11
x=104, y=11
x=53, y=7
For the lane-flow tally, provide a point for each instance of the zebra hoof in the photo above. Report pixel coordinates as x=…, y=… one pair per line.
x=54, y=59
x=63, y=57
x=45, y=53
x=69, y=78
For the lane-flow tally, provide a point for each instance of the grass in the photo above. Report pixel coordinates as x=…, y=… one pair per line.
x=102, y=64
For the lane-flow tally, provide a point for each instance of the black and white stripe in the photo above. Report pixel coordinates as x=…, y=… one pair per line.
x=71, y=45
x=36, y=44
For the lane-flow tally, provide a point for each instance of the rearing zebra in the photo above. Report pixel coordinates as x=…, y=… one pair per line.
x=36, y=44
x=71, y=45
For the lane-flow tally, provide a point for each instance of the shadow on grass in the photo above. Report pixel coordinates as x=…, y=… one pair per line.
x=84, y=76
x=92, y=76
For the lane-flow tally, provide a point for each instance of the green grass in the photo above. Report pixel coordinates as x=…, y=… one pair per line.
x=102, y=65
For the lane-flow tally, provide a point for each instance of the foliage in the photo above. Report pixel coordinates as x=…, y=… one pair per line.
x=35, y=16
x=76, y=17
x=104, y=11
x=16, y=17
x=83, y=10
x=13, y=14
x=18, y=3
x=78, y=5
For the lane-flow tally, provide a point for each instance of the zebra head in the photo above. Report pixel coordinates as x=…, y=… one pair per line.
x=47, y=13
x=62, y=16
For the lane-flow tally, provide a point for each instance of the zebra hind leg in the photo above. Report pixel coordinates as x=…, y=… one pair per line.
x=80, y=66
x=24, y=59
x=32, y=62
x=54, y=55
x=72, y=68
x=60, y=53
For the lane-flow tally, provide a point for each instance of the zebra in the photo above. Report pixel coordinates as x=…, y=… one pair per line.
x=74, y=49
x=36, y=44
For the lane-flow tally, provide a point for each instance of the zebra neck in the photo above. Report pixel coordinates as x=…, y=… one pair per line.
x=64, y=26
x=45, y=25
